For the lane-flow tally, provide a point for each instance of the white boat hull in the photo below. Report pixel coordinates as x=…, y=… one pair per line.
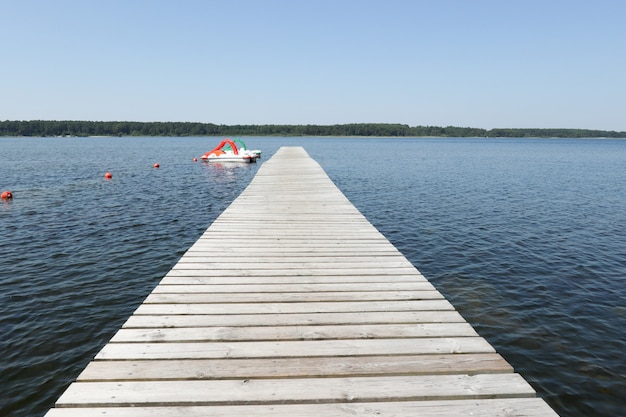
x=246, y=159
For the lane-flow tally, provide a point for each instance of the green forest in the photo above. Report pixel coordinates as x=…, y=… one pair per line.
x=47, y=128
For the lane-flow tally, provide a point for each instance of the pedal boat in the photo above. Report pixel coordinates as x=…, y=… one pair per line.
x=227, y=151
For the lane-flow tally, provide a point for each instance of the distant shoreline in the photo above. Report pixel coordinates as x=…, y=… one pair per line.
x=72, y=128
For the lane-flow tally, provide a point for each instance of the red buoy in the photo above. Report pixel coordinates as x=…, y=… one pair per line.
x=6, y=195
x=108, y=175
x=156, y=165
x=195, y=159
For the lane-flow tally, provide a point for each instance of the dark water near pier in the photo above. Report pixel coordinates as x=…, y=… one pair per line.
x=527, y=238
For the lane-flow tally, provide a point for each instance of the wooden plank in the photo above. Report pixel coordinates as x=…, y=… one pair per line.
x=295, y=390
x=349, y=267
x=280, y=228
x=373, y=307
x=252, y=333
x=293, y=229
x=294, y=319
x=305, y=261
x=301, y=244
x=295, y=272
x=199, y=369
x=308, y=247
x=245, y=250
x=499, y=407
x=280, y=297
x=195, y=288
x=294, y=348
x=304, y=280
x=311, y=238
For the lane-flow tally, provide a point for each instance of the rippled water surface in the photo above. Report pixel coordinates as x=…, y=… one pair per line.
x=525, y=237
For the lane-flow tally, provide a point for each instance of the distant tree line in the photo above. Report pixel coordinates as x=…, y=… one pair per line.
x=91, y=128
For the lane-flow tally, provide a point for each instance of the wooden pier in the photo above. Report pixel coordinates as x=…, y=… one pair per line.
x=293, y=304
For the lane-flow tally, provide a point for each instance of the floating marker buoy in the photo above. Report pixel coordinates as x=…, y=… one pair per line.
x=6, y=195
x=195, y=159
x=108, y=176
x=156, y=165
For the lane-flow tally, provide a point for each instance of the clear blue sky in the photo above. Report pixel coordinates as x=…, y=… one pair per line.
x=477, y=63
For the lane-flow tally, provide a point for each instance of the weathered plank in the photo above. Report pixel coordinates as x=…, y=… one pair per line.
x=255, y=287
x=388, y=261
x=231, y=368
x=340, y=331
x=138, y=321
x=295, y=390
x=294, y=272
x=286, y=297
x=303, y=280
x=499, y=407
x=259, y=268
x=337, y=280
x=373, y=307
x=293, y=348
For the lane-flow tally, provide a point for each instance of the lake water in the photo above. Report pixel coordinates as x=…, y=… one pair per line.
x=526, y=237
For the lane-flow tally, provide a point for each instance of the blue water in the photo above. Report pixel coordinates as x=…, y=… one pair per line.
x=525, y=237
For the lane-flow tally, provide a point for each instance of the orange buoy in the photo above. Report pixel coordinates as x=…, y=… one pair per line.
x=108, y=175
x=157, y=165
x=6, y=195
